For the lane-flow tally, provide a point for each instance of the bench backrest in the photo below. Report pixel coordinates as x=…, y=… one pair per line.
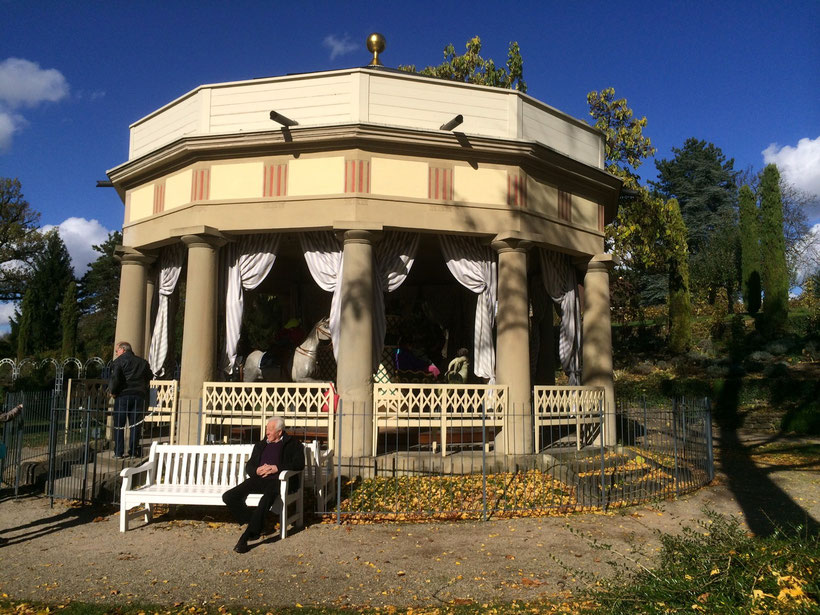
x=207, y=465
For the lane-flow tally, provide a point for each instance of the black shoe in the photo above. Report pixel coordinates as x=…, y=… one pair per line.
x=242, y=545
x=252, y=536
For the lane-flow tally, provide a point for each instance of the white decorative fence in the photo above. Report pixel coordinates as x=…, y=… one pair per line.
x=229, y=406
x=578, y=406
x=444, y=410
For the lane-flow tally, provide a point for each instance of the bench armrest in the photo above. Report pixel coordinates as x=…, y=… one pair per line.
x=128, y=474
x=286, y=474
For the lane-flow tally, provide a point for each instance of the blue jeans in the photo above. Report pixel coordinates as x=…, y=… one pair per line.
x=130, y=409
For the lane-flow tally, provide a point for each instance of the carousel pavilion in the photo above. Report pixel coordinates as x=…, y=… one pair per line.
x=369, y=195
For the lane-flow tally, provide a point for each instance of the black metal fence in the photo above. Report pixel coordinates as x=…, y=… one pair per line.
x=403, y=470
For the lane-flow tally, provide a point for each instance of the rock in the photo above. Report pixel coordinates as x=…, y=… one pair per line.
x=760, y=356
x=644, y=369
x=778, y=347
x=717, y=371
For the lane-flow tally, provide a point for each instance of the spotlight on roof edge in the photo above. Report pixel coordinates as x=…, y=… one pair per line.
x=281, y=119
x=104, y=183
x=452, y=123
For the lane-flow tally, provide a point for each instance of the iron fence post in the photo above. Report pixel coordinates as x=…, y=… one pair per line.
x=484, y=460
x=710, y=454
x=338, y=462
x=85, y=452
x=675, y=441
x=52, y=449
x=19, y=455
x=603, y=454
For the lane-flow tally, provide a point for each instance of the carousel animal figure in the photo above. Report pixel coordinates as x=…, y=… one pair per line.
x=300, y=367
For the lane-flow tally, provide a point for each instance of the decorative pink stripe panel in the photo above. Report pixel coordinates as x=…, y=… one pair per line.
x=440, y=184
x=516, y=190
x=357, y=176
x=275, y=182
x=201, y=185
x=159, y=198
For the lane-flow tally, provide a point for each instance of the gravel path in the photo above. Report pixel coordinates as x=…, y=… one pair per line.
x=53, y=554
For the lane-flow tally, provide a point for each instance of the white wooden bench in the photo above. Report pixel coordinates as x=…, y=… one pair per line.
x=199, y=475
x=319, y=471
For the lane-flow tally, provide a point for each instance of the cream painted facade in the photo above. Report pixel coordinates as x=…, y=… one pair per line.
x=366, y=155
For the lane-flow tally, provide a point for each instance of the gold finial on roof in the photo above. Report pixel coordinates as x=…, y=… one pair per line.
x=376, y=44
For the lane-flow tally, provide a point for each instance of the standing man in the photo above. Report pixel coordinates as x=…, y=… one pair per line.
x=130, y=383
x=276, y=452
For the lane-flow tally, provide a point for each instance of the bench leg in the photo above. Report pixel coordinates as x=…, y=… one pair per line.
x=149, y=513
x=123, y=515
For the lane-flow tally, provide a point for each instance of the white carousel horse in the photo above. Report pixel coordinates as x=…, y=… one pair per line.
x=300, y=367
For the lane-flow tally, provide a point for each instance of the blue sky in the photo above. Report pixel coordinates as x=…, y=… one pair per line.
x=74, y=75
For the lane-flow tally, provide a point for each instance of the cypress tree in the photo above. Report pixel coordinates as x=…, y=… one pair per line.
x=749, y=250
x=69, y=316
x=680, y=304
x=23, y=325
x=774, y=272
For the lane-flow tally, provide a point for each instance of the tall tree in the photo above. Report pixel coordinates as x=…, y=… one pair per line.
x=648, y=233
x=51, y=273
x=774, y=273
x=69, y=316
x=749, y=250
x=680, y=303
x=20, y=239
x=99, y=294
x=472, y=68
x=703, y=182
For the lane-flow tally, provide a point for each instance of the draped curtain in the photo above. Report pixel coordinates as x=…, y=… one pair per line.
x=474, y=266
x=249, y=260
x=324, y=258
x=393, y=258
x=170, y=269
x=561, y=285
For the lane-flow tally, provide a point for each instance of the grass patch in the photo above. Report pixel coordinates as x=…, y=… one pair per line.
x=719, y=568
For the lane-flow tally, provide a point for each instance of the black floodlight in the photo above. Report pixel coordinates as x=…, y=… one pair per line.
x=452, y=123
x=281, y=119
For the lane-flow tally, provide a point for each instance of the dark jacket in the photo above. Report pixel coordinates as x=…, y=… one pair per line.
x=130, y=375
x=293, y=458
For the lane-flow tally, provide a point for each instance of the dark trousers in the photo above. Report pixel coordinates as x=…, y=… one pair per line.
x=255, y=517
x=128, y=409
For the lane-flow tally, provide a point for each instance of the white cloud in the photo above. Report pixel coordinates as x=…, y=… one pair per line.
x=79, y=235
x=800, y=165
x=24, y=84
x=339, y=46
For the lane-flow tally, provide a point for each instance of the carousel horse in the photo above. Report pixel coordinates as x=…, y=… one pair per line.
x=263, y=366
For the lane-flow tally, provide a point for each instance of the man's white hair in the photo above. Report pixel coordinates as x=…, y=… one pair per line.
x=279, y=422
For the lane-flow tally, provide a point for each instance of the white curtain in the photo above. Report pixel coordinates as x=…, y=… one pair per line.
x=324, y=258
x=170, y=269
x=249, y=261
x=561, y=285
x=394, y=256
x=474, y=266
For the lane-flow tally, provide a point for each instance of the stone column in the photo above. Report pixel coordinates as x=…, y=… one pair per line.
x=131, y=307
x=354, y=375
x=150, y=289
x=199, y=332
x=597, y=338
x=513, y=347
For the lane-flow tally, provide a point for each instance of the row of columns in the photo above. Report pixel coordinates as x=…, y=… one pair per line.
x=355, y=357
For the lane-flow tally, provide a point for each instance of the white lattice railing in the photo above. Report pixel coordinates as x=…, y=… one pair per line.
x=162, y=405
x=437, y=407
x=566, y=405
x=308, y=406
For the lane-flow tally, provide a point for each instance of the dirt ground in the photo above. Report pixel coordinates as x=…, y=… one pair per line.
x=54, y=554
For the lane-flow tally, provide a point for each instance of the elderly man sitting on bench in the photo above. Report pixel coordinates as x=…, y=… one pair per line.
x=277, y=451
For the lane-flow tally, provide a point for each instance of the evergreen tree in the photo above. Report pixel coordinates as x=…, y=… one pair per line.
x=749, y=250
x=703, y=182
x=774, y=273
x=99, y=295
x=22, y=326
x=51, y=273
x=680, y=305
x=69, y=316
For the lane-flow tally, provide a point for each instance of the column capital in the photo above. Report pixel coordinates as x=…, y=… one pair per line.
x=204, y=240
x=131, y=256
x=603, y=262
x=511, y=244
x=359, y=236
